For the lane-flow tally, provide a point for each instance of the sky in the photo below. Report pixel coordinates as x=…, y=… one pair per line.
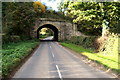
x=53, y=4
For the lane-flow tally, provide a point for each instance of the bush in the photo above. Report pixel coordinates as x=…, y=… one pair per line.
x=87, y=42
x=5, y=39
x=15, y=38
x=10, y=38
x=24, y=37
x=108, y=44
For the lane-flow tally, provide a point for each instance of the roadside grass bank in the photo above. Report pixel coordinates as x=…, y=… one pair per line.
x=108, y=61
x=14, y=53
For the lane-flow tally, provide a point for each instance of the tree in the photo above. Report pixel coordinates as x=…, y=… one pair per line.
x=18, y=18
x=92, y=16
x=39, y=6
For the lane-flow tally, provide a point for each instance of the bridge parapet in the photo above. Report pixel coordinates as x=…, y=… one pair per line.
x=50, y=19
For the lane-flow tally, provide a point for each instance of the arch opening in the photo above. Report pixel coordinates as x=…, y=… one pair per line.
x=52, y=28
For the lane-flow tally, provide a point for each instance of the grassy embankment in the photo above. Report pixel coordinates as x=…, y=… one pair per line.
x=13, y=53
x=109, y=61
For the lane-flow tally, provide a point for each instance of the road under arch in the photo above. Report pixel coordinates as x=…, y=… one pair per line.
x=53, y=28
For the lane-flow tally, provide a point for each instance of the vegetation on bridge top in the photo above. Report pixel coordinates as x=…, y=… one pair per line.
x=51, y=19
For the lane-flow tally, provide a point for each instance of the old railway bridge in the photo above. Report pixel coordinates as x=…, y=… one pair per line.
x=62, y=30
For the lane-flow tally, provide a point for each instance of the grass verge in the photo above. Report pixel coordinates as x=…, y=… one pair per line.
x=13, y=53
x=109, y=61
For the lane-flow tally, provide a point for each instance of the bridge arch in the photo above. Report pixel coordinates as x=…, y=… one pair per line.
x=65, y=30
x=52, y=27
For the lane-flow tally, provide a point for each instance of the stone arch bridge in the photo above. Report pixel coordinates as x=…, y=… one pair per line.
x=62, y=30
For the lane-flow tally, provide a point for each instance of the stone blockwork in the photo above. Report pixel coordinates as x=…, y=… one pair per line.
x=65, y=30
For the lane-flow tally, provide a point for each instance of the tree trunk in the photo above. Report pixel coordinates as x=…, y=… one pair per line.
x=105, y=23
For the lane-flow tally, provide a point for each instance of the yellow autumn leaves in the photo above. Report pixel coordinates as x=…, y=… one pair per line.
x=38, y=5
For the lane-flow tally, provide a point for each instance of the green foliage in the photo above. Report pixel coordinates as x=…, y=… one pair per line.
x=42, y=36
x=13, y=53
x=105, y=45
x=55, y=15
x=109, y=61
x=17, y=18
x=10, y=38
x=108, y=45
x=91, y=15
x=87, y=42
x=50, y=32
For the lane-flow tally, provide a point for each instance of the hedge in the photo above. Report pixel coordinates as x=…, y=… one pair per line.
x=107, y=44
x=86, y=42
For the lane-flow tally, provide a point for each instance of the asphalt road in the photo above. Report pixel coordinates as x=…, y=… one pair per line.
x=51, y=60
x=48, y=38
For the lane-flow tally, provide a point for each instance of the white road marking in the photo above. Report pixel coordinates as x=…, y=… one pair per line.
x=52, y=52
x=59, y=72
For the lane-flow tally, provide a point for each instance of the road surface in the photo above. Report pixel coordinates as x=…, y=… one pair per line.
x=51, y=60
x=48, y=38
